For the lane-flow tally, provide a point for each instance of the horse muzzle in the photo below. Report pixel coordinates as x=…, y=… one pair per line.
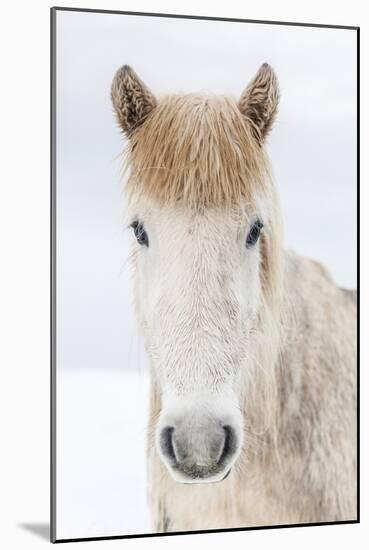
x=198, y=449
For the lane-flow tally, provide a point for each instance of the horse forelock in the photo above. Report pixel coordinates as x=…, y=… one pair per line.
x=196, y=149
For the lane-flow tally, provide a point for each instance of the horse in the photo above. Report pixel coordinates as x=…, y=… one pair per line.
x=252, y=347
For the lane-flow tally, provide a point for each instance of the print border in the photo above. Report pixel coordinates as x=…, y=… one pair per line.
x=53, y=267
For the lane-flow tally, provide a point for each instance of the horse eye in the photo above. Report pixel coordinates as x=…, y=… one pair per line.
x=254, y=234
x=140, y=233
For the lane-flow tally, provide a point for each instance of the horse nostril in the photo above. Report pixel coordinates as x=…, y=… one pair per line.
x=166, y=443
x=198, y=451
x=229, y=445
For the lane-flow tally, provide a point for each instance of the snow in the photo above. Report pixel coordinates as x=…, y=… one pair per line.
x=101, y=439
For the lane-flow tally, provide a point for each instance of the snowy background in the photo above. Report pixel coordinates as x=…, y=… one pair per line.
x=101, y=366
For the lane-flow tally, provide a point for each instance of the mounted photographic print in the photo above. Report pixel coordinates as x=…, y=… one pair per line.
x=204, y=274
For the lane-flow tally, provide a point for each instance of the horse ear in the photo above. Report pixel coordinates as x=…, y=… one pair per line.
x=132, y=100
x=259, y=101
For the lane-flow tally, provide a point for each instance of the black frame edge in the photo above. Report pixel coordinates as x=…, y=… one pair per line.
x=207, y=18
x=53, y=275
x=358, y=263
x=211, y=531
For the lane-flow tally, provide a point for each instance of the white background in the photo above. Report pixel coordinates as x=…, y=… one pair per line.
x=25, y=280
x=102, y=383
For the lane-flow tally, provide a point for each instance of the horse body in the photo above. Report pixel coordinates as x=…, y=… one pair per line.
x=307, y=472
x=252, y=348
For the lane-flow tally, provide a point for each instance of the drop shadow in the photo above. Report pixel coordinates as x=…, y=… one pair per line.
x=42, y=530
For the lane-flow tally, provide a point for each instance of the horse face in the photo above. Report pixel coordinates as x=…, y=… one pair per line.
x=199, y=270
x=197, y=287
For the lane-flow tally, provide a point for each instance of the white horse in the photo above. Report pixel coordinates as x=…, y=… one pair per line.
x=252, y=348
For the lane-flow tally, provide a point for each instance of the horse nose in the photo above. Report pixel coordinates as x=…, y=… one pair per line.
x=202, y=453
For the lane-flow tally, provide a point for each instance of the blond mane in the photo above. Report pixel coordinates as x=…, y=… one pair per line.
x=197, y=149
